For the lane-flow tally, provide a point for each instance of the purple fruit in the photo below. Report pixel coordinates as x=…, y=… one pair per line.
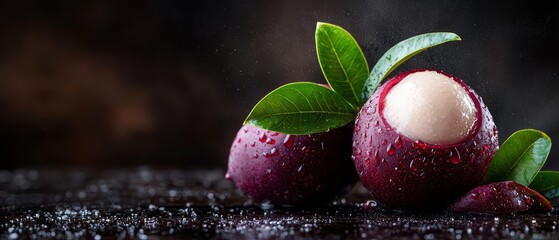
x=423, y=139
x=501, y=198
x=287, y=169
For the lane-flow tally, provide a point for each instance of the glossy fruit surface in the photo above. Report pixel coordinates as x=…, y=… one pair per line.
x=277, y=168
x=501, y=198
x=411, y=174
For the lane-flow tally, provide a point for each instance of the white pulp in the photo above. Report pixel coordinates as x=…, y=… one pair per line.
x=431, y=107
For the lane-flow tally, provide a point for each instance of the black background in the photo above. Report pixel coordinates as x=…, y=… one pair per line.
x=168, y=83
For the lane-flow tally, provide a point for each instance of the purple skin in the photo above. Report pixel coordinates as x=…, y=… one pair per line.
x=501, y=198
x=281, y=169
x=404, y=174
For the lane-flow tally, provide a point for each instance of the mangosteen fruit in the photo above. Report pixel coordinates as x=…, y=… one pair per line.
x=501, y=198
x=282, y=169
x=423, y=139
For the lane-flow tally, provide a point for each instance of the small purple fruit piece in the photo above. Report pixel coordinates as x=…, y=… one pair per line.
x=501, y=198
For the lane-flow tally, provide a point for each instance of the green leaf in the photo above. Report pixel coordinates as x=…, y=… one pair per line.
x=342, y=62
x=400, y=53
x=301, y=108
x=546, y=183
x=520, y=157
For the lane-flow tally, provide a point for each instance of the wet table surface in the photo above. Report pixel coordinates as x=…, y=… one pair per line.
x=144, y=203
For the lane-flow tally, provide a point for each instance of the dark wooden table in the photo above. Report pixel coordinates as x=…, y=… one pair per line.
x=144, y=203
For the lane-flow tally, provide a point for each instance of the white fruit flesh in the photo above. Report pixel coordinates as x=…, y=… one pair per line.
x=431, y=107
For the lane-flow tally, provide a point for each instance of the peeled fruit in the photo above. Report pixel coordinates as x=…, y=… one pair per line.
x=276, y=168
x=423, y=139
x=501, y=198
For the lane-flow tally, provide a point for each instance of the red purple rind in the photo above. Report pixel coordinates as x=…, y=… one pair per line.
x=412, y=175
x=285, y=169
x=501, y=198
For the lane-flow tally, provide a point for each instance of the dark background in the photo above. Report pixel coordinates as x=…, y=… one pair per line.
x=168, y=83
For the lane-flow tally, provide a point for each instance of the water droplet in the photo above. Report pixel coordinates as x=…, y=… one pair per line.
x=376, y=123
x=288, y=141
x=384, y=142
x=227, y=176
x=300, y=168
x=255, y=155
x=270, y=141
x=419, y=144
x=528, y=200
x=475, y=195
x=273, y=151
x=245, y=129
x=455, y=158
x=263, y=138
x=379, y=130
x=485, y=147
x=370, y=109
x=413, y=166
x=398, y=142
x=390, y=149
x=269, y=170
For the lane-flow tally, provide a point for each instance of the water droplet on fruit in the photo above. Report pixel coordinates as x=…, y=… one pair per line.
x=270, y=141
x=376, y=123
x=528, y=200
x=245, y=129
x=263, y=138
x=255, y=155
x=455, y=158
x=419, y=144
x=475, y=195
x=370, y=109
x=390, y=149
x=379, y=130
x=288, y=141
x=304, y=148
x=398, y=142
x=384, y=142
x=413, y=166
x=300, y=168
x=227, y=176
x=322, y=145
x=269, y=170
x=485, y=147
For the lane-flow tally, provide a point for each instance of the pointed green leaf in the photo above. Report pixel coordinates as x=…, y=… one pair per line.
x=400, y=53
x=546, y=183
x=520, y=157
x=301, y=108
x=342, y=62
